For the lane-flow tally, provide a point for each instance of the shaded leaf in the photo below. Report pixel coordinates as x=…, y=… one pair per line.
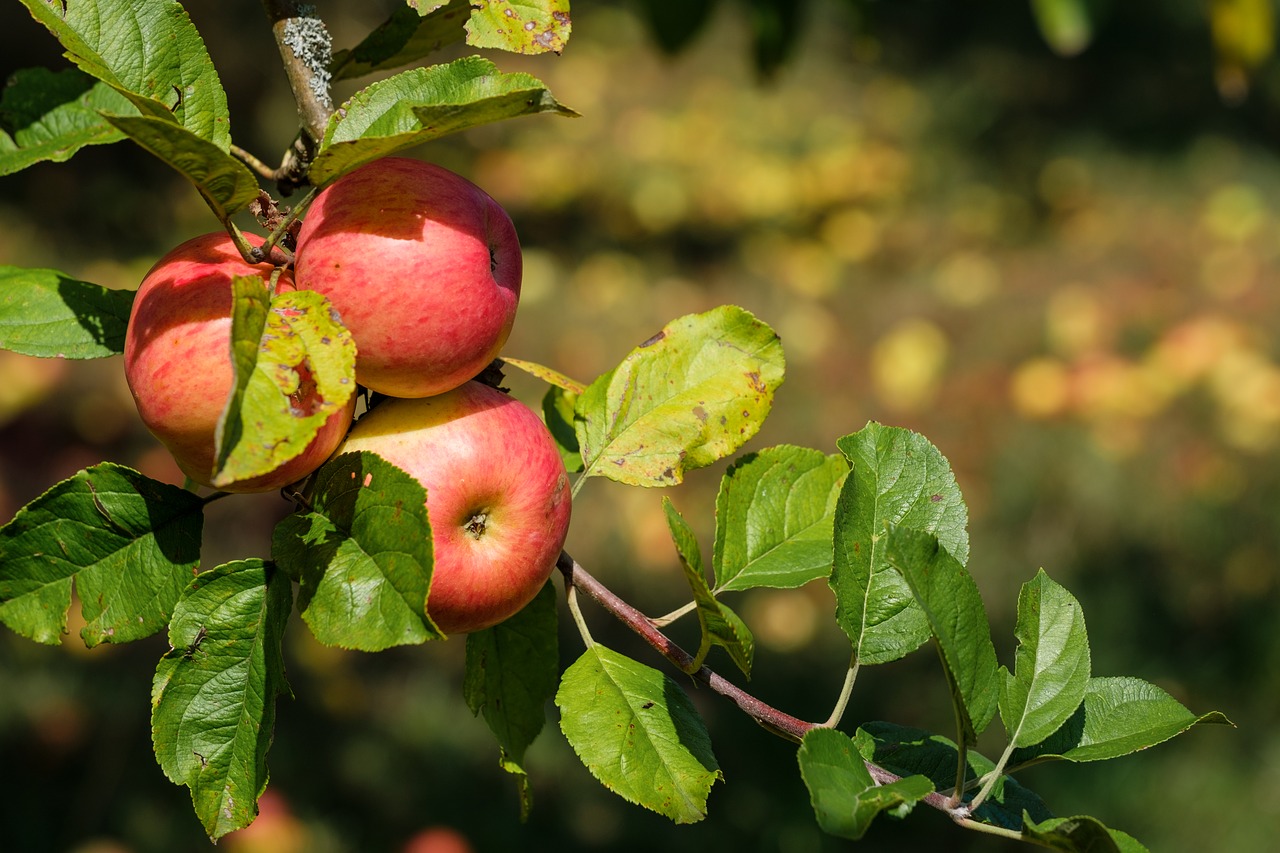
x=1081, y=834
x=693, y=393
x=957, y=620
x=557, y=413
x=362, y=555
x=774, y=516
x=150, y=52
x=295, y=368
x=638, y=733
x=50, y=115
x=904, y=750
x=213, y=698
x=225, y=184
x=47, y=313
x=411, y=33
x=422, y=104
x=520, y=26
x=512, y=669
x=844, y=796
x=720, y=625
x=129, y=543
x=899, y=478
x=1119, y=716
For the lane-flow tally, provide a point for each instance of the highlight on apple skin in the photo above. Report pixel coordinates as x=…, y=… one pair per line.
x=497, y=496
x=423, y=266
x=177, y=360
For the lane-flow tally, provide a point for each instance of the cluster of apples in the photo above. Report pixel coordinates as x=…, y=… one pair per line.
x=424, y=269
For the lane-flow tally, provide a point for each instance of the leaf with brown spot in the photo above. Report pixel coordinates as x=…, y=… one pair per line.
x=695, y=393
x=520, y=26
x=295, y=366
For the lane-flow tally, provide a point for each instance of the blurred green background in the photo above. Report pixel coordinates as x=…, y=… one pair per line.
x=1063, y=271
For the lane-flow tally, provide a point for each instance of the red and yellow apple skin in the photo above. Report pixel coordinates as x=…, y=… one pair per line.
x=177, y=360
x=423, y=266
x=497, y=497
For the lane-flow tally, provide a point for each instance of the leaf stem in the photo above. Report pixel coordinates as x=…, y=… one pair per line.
x=263, y=170
x=571, y=595
x=845, y=692
x=992, y=777
x=664, y=621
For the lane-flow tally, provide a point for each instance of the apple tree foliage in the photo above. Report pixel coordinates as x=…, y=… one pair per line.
x=882, y=521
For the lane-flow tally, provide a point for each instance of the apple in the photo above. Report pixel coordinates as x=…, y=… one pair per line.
x=424, y=268
x=177, y=360
x=497, y=496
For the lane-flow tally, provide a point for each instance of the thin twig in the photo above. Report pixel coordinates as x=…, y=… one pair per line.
x=778, y=722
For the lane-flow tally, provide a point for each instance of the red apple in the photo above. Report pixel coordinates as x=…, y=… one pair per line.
x=497, y=496
x=177, y=360
x=424, y=268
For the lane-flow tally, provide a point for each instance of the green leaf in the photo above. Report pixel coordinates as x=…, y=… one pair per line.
x=904, y=750
x=520, y=26
x=1118, y=716
x=774, y=516
x=845, y=798
x=512, y=670
x=48, y=314
x=557, y=412
x=362, y=556
x=546, y=374
x=129, y=543
x=213, y=698
x=50, y=115
x=225, y=184
x=422, y=104
x=295, y=368
x=720, y=625
x=638, y=733
x=952, y=605
x=690, y=395
x=1051, y=669
x=150, y=52
x=898, y=477
x=1064, y=24
x=1081, y=834
x=408, y=35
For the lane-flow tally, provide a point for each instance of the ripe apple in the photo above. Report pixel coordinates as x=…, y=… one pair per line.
x=424, y=268
x=497, y=496
x=177, y=360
